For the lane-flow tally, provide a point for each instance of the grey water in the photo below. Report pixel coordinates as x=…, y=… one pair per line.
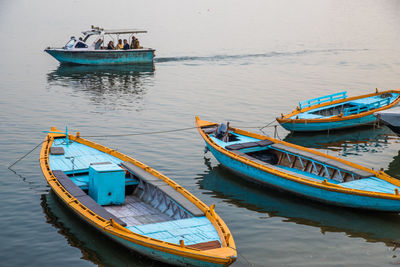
x=240, y=61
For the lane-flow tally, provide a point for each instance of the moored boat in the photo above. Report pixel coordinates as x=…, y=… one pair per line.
x=92, y=49
x=338, y=111
x=391, y=118
x=299, y=170
x=134, y=204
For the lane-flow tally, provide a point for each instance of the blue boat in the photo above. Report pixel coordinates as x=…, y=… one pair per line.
x=91, y=50
x=300, y=170
x=338, y=111
x=134, y=204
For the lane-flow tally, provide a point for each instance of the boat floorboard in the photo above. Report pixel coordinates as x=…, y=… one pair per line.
x=136, y=212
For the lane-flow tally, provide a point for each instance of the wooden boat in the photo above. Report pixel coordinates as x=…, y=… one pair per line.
x=93, y=51
x=299, y=170
x=134, y=204
x=337, y=111
x=391, y=118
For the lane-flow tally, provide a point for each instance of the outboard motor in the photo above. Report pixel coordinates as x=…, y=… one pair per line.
x=221, y=130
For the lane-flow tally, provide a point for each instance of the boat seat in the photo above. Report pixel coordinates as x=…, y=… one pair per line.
x=56, y=150
x=275, y=167
x=342, y=166
x=181, y=200
x=297, y=151
x=238, y=146
x=164, y=187
x=321, y=159
x=141, y=174
x=83, y=198
x=209, y=130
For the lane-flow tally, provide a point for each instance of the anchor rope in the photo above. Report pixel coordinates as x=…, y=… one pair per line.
x=18, y=160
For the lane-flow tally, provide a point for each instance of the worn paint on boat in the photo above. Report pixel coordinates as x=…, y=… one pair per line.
x=302, y=171
x=159, y=218
x=337, y=111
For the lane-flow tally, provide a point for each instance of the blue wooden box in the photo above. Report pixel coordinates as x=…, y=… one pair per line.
x=107, y=183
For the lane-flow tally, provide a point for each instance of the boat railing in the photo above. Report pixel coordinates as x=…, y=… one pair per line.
x=366, y=107
x=322, y=99
x=314, y=163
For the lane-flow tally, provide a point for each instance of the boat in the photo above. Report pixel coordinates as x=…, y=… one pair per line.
x=134, y=204
x=338, y=111
x=299, y=170
x=92, y=50
x=391, y=118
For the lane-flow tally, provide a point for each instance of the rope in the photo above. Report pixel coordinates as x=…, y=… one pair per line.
x=241, y=255
x=144, y=133
x=267, y=125
x=10, y=167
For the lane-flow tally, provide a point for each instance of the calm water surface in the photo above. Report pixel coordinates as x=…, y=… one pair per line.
x=242, y=61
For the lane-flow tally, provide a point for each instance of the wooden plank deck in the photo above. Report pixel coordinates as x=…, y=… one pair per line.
x=136, y=212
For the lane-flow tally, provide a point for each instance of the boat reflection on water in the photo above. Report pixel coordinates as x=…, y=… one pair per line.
x=347, y=142
x=94, y=246
x=108, y=84
x=371, y=226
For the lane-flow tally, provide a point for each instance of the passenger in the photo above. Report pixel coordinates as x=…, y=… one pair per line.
x=126, y=45
x=120, y=45
x=110, y=45
x=97, y=45
x=135, y=43
x=80, y=44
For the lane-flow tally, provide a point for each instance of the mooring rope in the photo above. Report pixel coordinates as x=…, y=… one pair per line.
x=133, y=134
x=10, y=167
x=143, y=133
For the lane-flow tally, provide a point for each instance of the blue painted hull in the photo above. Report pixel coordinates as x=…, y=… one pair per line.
x=325, y=126
x=102, y=57
x=163, y=256
x=335, y=198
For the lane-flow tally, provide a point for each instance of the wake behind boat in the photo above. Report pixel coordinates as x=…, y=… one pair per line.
x=299, y=170
x=337, y=111
x=134, y=204
x=95, y=48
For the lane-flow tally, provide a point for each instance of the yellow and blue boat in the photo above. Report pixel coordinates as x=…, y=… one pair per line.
x=338, y=111
x=300, y=170
x=134, y=204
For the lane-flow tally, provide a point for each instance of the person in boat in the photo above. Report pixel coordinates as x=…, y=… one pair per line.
x=110, y=45
x=80, y=44
x=120, y=45
x=126, y=45
x=135, y=43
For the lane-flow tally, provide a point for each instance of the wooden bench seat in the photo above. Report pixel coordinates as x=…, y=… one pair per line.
x=324, y=160
x=178, y=198
x=85, y=199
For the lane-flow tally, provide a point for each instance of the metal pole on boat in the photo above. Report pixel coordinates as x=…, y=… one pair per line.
x=66, y=134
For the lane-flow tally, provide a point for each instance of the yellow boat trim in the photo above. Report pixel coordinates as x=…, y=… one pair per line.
x=322, y=185
x=225, y=255
x=287, y=118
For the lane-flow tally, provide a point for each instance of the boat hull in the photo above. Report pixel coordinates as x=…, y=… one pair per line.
x=391, y=118
x=157, y=249
x=102, y=57
x=264, y=178
x=338, y=113
x=326, y=126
